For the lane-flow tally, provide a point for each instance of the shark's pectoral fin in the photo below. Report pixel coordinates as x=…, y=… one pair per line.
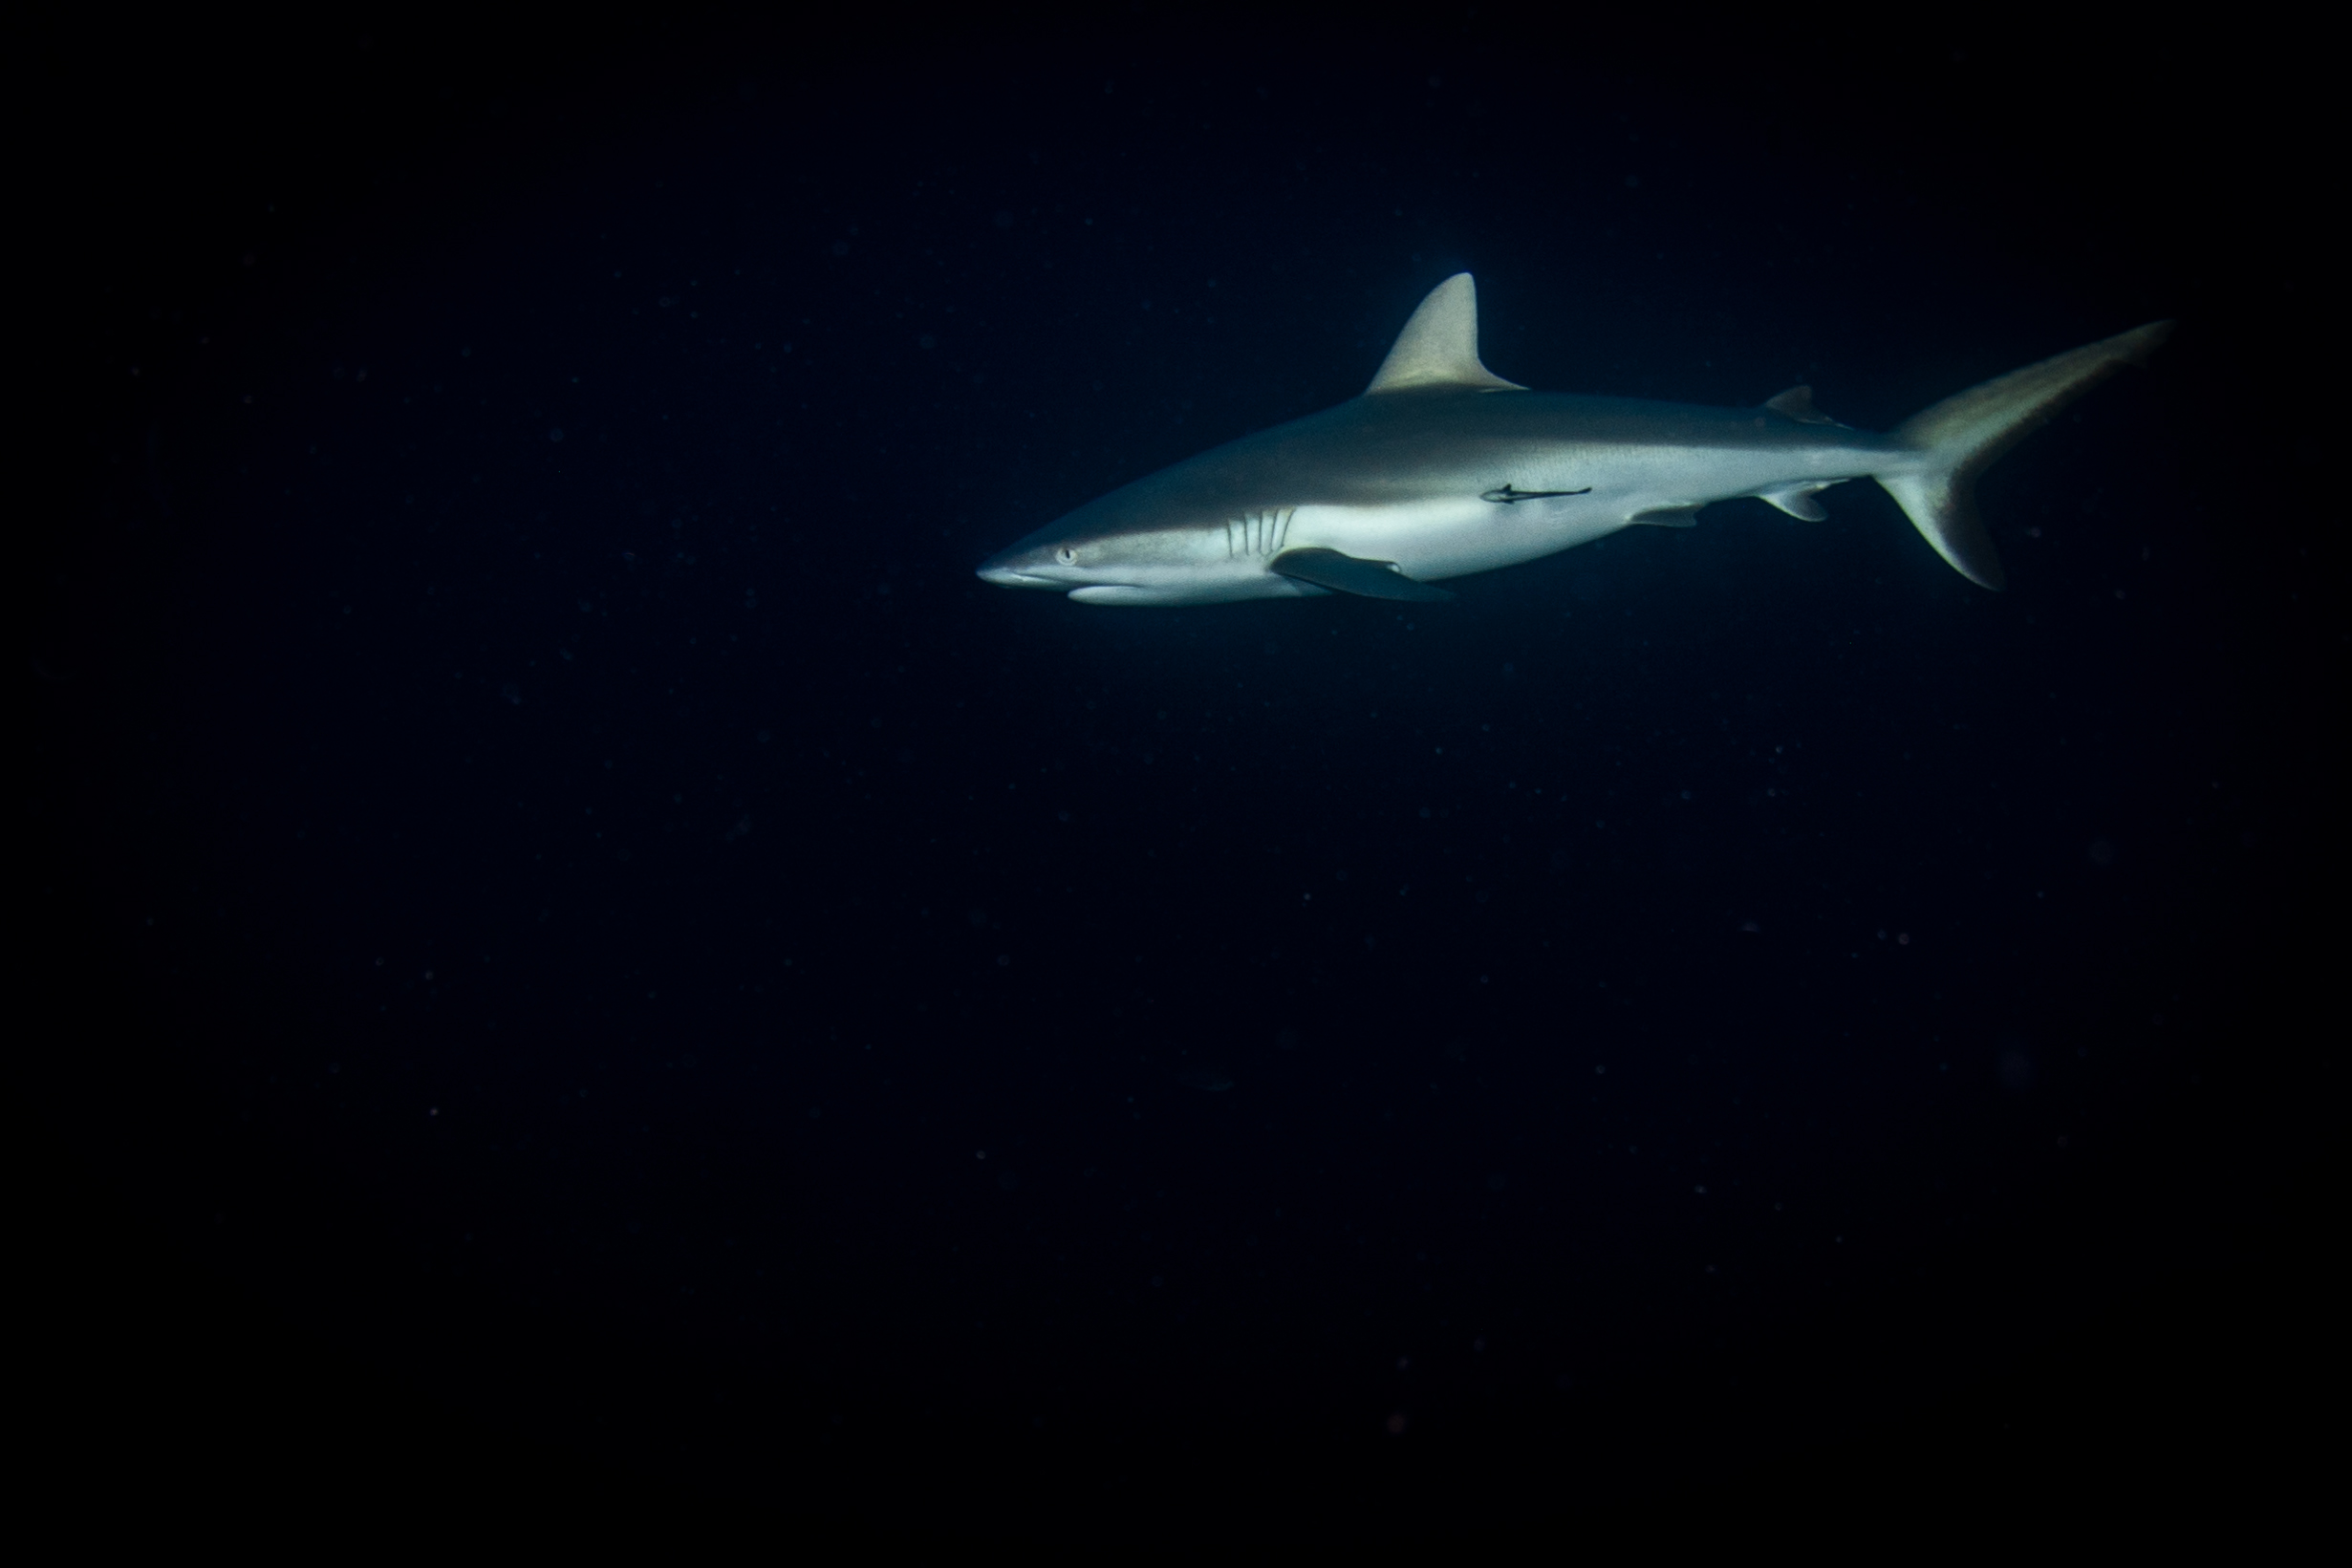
x=1353, y=574
x=1669, y=517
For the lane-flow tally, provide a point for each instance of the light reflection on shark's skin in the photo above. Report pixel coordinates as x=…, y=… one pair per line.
x=1442, y=468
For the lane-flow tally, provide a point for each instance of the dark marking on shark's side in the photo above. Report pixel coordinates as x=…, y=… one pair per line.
x=1505, y=496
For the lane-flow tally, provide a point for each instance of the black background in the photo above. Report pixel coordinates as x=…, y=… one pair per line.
x=602, y=969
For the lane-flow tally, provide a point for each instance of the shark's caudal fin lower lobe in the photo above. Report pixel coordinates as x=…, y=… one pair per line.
x=1959, y=438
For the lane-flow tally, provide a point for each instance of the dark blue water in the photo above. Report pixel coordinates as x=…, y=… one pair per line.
x=600, y=956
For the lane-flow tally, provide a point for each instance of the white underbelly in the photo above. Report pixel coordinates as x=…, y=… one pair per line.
x=1437, y=539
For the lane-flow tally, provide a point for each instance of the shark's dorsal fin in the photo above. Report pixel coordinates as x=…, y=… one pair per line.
x=1797, y=403
x=1440, y=345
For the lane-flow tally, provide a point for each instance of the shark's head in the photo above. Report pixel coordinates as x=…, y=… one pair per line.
x=1052, y=558
x=1247, y=520
x=1169, y=558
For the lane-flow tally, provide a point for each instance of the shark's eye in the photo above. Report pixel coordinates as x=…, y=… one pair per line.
x=1067, y=556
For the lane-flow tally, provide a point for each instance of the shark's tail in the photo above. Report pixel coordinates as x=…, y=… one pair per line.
x=1958, y=438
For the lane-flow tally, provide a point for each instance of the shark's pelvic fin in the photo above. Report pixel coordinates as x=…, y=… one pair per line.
x=1669, y=517
x=1440, y=345
x=1958, y=438
x=1353, y=575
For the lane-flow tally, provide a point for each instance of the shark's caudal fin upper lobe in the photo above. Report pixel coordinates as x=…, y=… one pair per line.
x=1958, y=438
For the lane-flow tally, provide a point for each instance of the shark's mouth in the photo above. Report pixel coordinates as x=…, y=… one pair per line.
x=1007, y=577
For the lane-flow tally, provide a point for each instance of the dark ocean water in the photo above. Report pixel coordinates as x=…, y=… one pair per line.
x=604, y=962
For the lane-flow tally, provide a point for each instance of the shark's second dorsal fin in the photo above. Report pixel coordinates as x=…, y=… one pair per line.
x=1797, y=403
x=1440, y=345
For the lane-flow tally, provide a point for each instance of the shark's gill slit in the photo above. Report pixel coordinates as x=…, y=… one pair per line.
x=1258, y=533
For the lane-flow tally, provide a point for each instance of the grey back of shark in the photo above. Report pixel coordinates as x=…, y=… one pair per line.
x=1442, y=468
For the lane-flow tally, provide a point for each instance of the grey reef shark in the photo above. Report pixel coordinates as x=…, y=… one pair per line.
x=1443, y=468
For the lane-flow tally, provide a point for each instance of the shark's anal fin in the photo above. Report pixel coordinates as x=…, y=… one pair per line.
x=1669, y=517
x=1353, y=574
x=1797, y=500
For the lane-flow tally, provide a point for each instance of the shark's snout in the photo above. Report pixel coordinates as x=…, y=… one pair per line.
x=1006, y=573
x=1030, y=562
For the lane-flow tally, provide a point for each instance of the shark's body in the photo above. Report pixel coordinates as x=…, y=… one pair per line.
x=1442, y=468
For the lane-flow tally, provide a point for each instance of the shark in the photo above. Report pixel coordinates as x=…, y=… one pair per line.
x=1441, y=469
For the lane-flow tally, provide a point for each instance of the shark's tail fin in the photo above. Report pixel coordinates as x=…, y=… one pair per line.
x=1958, y=438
